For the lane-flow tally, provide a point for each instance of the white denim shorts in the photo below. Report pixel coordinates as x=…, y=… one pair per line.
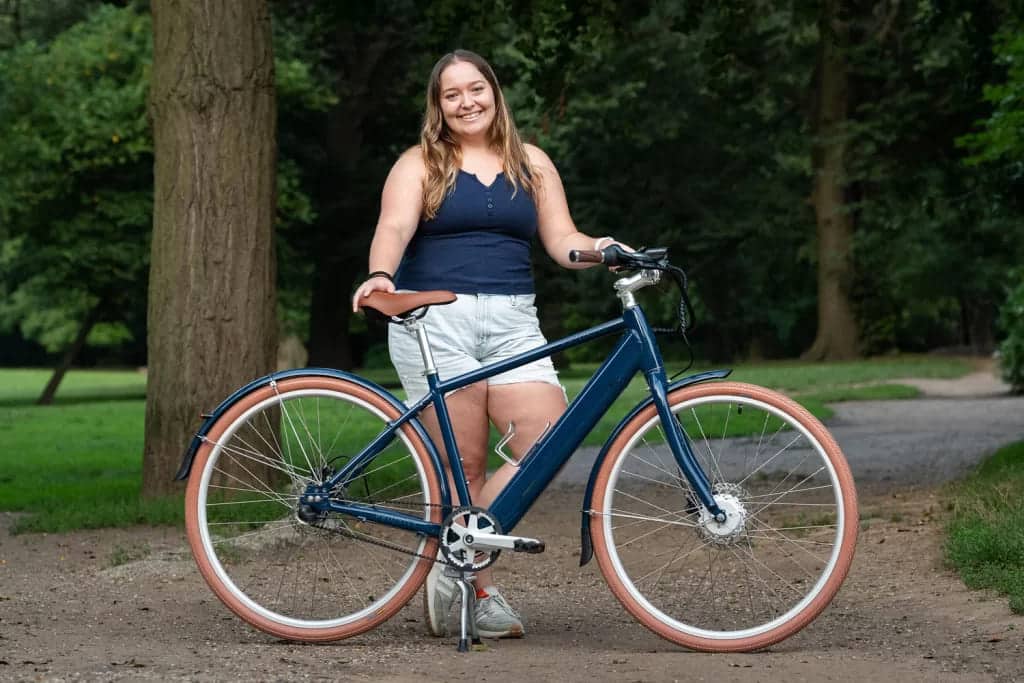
x=473, y=331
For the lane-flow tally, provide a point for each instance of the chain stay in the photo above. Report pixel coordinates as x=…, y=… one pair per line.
x=366, y=538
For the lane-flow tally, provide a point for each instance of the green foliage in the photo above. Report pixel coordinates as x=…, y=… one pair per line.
x=933, y=243
x=1011, y=350
x=986, y=534
x=76, y=158
x=1002, y=134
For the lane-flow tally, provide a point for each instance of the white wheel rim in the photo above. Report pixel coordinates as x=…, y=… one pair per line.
x=635, y=594
x=207, y=542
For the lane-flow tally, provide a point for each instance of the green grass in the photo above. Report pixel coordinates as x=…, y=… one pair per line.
x=985, y=541
x=77, y=464
x=22, y=386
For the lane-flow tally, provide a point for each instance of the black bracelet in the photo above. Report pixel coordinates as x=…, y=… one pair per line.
x=380, y=273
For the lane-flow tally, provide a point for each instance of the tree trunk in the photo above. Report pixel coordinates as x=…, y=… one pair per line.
x=93, y=317
x=980, y=318
x=212, y=296
x=837, y=336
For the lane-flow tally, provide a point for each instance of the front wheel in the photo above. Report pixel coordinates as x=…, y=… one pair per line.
x=281, y=566
x=784, y=549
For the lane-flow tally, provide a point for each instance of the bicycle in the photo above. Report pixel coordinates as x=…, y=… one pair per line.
x=723, y=515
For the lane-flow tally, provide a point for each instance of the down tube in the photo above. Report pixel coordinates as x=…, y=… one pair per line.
x=543, y=462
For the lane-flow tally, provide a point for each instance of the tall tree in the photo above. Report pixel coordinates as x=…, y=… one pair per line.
x=212, y=318
x=837, y=336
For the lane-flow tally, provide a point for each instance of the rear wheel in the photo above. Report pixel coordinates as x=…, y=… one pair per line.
x=290, y=571
x=785, y=547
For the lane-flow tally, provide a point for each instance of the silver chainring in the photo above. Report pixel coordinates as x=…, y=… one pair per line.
x=462, y=522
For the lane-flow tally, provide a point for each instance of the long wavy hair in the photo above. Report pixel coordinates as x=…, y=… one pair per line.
x=441, y=152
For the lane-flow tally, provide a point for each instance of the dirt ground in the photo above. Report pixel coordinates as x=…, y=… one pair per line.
x=79, y=607
x=130, y=605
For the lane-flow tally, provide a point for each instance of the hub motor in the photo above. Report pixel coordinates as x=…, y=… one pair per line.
x=728, y=497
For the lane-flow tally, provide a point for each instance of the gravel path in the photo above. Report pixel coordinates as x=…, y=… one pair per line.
x=917, y=442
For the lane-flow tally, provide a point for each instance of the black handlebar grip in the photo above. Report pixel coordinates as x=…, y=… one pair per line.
x=586, y=256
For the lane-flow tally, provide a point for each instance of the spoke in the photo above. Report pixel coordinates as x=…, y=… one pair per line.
x=786, y=583
x=641, y=500
x=384, y=465
x=274, y=495
x=785, y=493
x=673, y=474
x=675, y=559
x=765, y=463
x=265, y=499
x=780, y=537
x=375, y=559
x=643, y=518
x=258, y=457
x=798, y=541
x=314, y=443
x=751, y=568
x=343, y=427
x=295, y=433
x=655, y=530
x=716, y=461
x=793, y=490
x=265, y=529
x=659, y=482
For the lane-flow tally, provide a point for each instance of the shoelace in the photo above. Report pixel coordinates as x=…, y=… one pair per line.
x=500, y=601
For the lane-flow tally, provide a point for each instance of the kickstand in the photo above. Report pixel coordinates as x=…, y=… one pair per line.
x=467, y=620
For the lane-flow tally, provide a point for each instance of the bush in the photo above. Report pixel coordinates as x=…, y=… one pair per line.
x=1011, y=350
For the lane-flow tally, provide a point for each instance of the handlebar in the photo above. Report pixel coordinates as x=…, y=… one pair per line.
x=613, y=256
x=650, y=258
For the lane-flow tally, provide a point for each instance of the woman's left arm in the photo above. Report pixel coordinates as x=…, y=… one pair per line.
x=557, y=231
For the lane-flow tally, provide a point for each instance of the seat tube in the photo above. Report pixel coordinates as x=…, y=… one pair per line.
x=441, y=412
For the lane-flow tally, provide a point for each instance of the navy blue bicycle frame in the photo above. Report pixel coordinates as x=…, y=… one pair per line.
x=636, y=351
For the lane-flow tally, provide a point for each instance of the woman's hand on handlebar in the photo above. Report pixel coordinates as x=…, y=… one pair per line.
x=624, y=247
x=378, y=283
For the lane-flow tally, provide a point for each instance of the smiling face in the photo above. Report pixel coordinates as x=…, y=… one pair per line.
x=466, y=101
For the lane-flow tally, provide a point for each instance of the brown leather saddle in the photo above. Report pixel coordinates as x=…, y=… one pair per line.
x=401, y=305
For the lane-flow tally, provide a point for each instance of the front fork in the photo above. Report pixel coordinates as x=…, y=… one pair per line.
x=679, y=442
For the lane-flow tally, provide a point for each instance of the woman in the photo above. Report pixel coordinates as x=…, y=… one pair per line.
x=458, y=213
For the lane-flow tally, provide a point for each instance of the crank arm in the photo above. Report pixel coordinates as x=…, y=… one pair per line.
x=482, y=540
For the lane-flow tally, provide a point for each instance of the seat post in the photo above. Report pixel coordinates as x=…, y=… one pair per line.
x=419, y=329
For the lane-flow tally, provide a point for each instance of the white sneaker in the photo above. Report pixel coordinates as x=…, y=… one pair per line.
x=438, y=596
x=495, y=618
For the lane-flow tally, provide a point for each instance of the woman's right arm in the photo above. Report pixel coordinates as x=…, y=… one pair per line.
x=401, y=204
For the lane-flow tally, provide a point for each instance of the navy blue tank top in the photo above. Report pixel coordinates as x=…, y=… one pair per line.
x=478, y=243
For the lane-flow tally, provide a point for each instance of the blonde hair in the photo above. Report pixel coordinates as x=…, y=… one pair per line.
x=442, y=155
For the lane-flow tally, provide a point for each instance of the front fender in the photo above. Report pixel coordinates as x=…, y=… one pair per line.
x=586, y=543
x=211, y=418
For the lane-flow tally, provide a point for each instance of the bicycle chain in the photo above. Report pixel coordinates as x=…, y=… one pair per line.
x=349, y=533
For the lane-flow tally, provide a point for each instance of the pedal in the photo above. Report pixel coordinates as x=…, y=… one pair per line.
x=528, y=545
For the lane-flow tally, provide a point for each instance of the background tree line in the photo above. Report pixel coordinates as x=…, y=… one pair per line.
x=840, y=178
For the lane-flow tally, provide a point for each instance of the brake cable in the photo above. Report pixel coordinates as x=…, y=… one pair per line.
x=657, y=259
x=685, y=313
